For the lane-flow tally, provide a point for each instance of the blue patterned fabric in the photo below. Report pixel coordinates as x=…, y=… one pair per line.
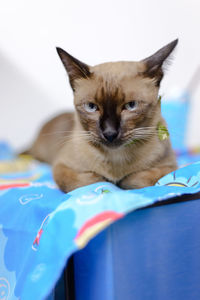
x=40, y=226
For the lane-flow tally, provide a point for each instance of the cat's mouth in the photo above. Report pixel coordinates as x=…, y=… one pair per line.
x=99, y=140
x=119, y=141
x=110, y=139
x=113, y=144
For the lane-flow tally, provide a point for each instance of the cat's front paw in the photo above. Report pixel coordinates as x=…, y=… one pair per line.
x=145, y=178
x=68, y=179
x=136, y=182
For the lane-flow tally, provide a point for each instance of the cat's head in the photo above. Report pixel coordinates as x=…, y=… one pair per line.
x=117, y=102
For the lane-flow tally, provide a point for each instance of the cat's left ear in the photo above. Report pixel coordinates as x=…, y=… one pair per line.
x=74, y=67
x=154, y=63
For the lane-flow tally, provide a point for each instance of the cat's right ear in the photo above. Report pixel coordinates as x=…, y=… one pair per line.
x=75, y=68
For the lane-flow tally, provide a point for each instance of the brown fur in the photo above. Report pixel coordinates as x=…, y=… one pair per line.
x=75, y=143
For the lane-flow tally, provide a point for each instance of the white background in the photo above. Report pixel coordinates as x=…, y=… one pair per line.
x=33, y=83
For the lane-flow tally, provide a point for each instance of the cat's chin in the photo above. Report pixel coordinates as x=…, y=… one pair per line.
x=112, y=145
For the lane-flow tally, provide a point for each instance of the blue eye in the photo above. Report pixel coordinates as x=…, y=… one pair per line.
x=130, y=105
x=90, y=107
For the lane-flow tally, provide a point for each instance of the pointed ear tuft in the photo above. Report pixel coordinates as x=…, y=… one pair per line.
x=75, y=68
x=155, y=62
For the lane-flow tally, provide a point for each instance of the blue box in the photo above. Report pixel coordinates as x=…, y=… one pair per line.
x=153, y=253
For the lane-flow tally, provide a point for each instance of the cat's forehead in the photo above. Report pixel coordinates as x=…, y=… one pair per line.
x=118, y=80
x=118, y=69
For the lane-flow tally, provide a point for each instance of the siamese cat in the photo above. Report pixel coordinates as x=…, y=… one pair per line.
x=113, y=133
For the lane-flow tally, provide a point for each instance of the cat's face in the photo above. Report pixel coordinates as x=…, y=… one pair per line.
x=117, y=103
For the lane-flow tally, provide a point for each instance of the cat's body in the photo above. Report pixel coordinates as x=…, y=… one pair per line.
x=112, y=135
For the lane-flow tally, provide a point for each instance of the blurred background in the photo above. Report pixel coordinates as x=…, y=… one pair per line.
x=33, y=82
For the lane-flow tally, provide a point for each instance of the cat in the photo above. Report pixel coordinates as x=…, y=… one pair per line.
x=113, y=133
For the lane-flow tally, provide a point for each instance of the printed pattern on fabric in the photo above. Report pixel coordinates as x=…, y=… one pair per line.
x=45, y=226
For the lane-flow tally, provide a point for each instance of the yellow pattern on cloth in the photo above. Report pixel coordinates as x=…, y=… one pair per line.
x=22, y=163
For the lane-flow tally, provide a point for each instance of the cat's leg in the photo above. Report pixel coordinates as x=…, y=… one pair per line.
x=145, y=178
x=68, y=179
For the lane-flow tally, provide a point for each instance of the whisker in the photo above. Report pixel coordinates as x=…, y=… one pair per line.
x=142, y=130
x=64, y=131
x=79, y=137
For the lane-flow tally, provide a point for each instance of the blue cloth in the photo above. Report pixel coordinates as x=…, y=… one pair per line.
x=40, y=226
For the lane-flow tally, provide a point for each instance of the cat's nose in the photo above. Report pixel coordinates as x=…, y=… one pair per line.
x=110, y=135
